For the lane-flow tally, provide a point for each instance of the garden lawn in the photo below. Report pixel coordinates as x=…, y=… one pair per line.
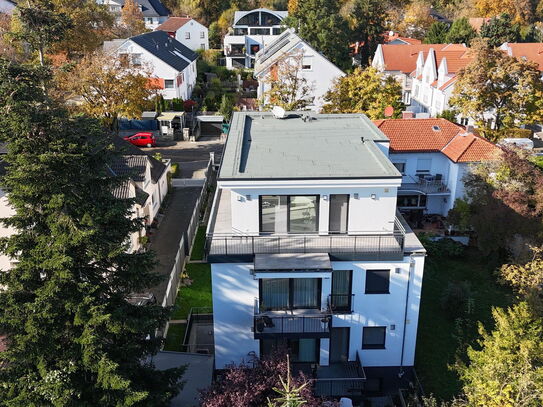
x=175, y=336
x=436, y=342
x=197, y=252
x=198, y=294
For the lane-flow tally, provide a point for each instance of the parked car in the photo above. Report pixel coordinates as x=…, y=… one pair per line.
x=142, y=139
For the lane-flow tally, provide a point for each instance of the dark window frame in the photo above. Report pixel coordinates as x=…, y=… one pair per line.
x=290, y=295
x=348, y=213
x=285, y=343
x=375, y=291
x=374, y=346
x=317, y=214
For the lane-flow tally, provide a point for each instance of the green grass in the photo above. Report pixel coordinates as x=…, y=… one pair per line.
x=199, y=243
x=174, y=338
x=198, y=294
x=436, y=343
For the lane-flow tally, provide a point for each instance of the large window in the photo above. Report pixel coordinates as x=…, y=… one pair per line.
x=300, y=350
x=400, y=166
x=424, y=165
x=289, y=214
x=373, y=337
x=411, y=201
x=289, y=293
x=340, y=298
x=377, y=281
x=168, y=83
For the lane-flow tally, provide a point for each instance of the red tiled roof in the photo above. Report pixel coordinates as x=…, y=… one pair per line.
x=532, y=51
x=435, y=135
x=173, y=24
x=403, y=57
x=477, y=22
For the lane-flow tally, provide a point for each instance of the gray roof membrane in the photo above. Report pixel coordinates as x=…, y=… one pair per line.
x=292, y=262
x=260, y=146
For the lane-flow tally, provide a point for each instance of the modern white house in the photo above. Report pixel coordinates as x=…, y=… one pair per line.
x=187, y=31
x=433, y=155
x=309, y=252
x=288, y=48
x=406, y=62
x=173, y=65
x=250, y=32
x=154, y=12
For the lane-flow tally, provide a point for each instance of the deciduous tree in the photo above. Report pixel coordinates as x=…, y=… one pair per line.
x=494, y=83
x=132, y=18
x=287, y=87
x=365, y=91
x=72, y=336
x=508, y=369
x=107, y=87
x=417, y=19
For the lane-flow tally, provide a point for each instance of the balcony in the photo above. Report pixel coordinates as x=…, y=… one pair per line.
x=425, y=183
x=341, y=303
x=291, y=323
x=340, y=379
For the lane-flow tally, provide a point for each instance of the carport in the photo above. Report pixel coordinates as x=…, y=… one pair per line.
x=210, y=125
x=171, y=125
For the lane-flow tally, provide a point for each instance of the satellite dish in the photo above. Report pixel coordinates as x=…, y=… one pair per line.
x=278, y=112
x=389, y=111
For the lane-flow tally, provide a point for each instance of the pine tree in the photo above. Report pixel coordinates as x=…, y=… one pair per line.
x=437, y=33
x=461, y=32
x=499, y=30
x=72, y=337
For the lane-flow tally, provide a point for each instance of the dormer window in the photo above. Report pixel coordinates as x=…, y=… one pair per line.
x=436, y=128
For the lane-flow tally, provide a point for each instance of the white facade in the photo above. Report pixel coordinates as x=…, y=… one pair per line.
x=318, y=72
x=250, y=32
x=368, y=213
x=7, y=6
x=174, y=83
x=193, y=35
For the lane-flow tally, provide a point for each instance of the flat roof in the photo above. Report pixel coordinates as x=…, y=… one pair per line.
x=325, y=146
x=292, y=262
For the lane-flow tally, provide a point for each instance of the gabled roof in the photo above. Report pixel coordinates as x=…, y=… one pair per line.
x=531, y=51
x=240, y=14
x=279, y=48
x=173, y=24
x=160, y=8
x=133, y=166
x=166, y=48
x=435, y=135
x=403, y=57
x=126, y=148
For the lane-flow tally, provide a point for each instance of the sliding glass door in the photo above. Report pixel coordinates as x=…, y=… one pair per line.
x=303, y=350
x=289, y=214
x=289, y=293
x=339, y=212
x=341, y=291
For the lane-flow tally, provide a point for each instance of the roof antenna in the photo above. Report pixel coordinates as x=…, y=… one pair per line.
x=362, y=139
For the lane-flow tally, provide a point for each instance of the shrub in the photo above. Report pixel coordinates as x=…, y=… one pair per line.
x=444, y=247
x=456, y=299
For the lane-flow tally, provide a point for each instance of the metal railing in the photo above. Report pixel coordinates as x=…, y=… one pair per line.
x=341, y=303
x=271, y=323
x=375, y=246
x=427, y=184
x=351, y=385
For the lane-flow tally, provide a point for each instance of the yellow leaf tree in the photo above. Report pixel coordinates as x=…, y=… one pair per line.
x=132, y=18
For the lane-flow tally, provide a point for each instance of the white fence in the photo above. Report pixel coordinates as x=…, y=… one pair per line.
x=188, y=182
x=186, y=242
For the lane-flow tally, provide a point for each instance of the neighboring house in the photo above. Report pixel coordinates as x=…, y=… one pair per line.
x=250, y=32
x=187, y=31
x=173, y=65
x=318, y=72
x=395, y=39
x=307, y=250
x=527, y=51
x=154, y=12
x=147, y=184
x=433, y=156
x=7, y=6
x=400, y=60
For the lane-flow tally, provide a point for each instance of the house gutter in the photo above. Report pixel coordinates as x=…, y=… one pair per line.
x=411, y=265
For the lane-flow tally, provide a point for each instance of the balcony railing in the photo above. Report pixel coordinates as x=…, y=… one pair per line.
x=288, y=323
x=370, y=246
x=340, y=379
x=425, y=183
x=341, y=303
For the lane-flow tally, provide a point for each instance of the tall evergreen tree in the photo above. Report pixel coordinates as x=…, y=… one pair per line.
x=73, y=339
x=437, y=33
x=319, y=23
x=499, y=30
x=461, y=32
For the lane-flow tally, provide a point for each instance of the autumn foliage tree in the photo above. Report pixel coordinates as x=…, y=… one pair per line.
x=107, y=87
x=495, y=83
x=364, y=91
x=132, y=18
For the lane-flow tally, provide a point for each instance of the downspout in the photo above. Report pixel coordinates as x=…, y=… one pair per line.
x=411, y=265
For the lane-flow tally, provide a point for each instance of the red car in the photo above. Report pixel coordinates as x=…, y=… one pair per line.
x=142, y=139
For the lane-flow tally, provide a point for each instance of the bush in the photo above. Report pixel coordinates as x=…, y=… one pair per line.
x=444, y=247
x=174, y=170
x=456, y=299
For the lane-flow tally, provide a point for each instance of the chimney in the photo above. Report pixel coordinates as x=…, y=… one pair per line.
x=408, y=115
x=470, y=128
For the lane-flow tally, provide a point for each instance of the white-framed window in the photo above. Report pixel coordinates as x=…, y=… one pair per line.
x=202, y=34
x=400, y=166
x=187, y=35
x=136, y=59
x=424, y=164
x=307, y=63
x=168, y=83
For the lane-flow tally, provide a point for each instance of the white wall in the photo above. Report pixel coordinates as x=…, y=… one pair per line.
x=440, y=163
x=6, y=6
x=195, y=29
x=365, y=213
x=234, y=291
